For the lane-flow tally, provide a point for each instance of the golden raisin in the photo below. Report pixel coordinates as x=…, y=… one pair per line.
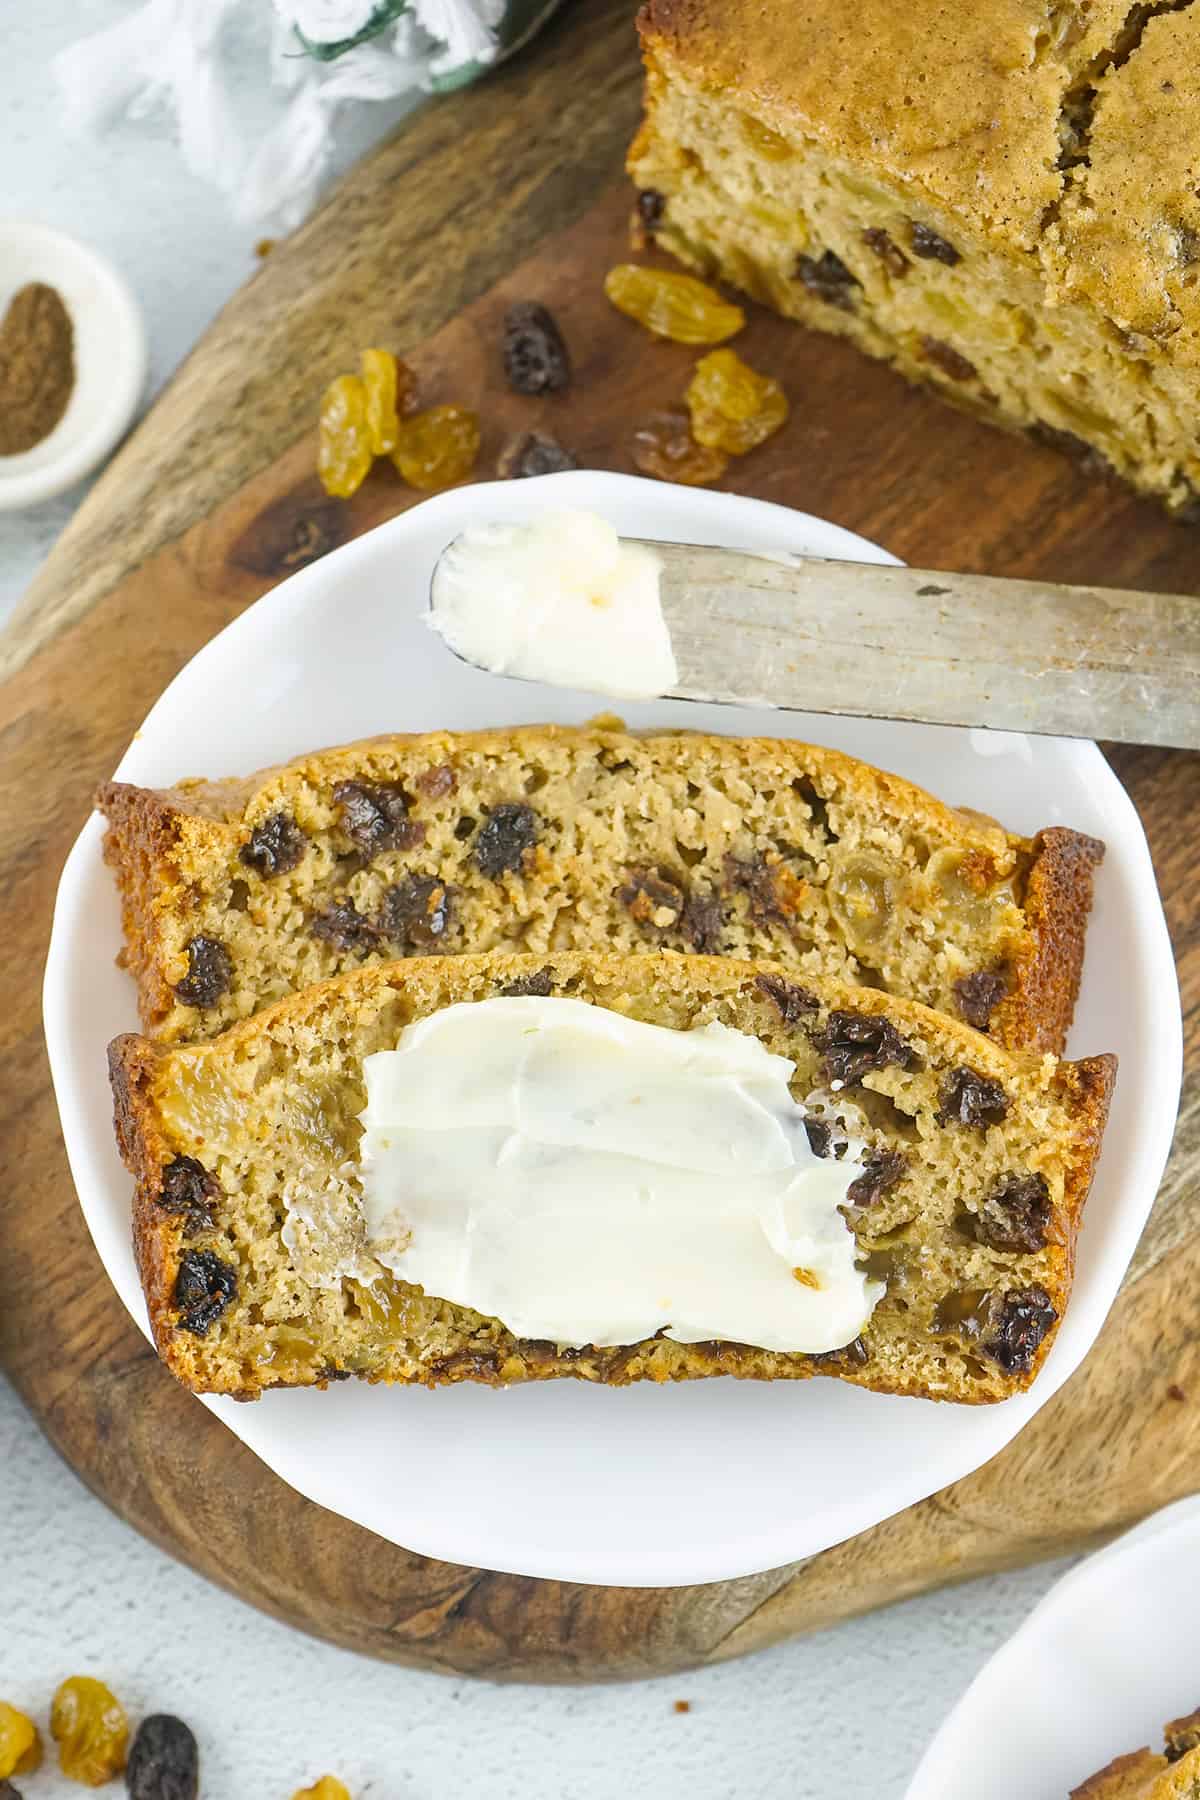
x=733, y=408
x=88, y=1723
x=344, y=453
x=663, y=446
x=769, y=144
x=672, y=305
x=327, y=1788
x=20, y=1743
x=435, y=449
x=380, y=379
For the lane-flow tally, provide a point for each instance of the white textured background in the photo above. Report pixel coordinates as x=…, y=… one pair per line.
x=843, y=1716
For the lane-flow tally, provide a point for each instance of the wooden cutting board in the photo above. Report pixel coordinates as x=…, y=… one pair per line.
x=513, y=191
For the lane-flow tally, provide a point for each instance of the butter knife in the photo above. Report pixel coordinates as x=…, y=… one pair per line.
x=807, y=634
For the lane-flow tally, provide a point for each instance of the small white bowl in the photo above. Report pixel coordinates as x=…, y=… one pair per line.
x=110, y=359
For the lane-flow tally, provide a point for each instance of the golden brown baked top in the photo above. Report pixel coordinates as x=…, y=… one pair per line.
x=1063, y=133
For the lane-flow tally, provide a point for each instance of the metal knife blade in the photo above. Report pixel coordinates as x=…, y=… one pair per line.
x=875, y=640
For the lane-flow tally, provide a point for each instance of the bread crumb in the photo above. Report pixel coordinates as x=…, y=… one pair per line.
x=682, y=1706
x=1175, y=1392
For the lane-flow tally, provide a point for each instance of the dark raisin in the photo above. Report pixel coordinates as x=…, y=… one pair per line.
x=949, y=360
x=651, y=205
x=464, y=828
x=1014, y=1216
x=652, y=899
x=343, y=926
x=1025, y=1317
x=792, y=1001
x=886, y=249
x=164, y=1761
x=828, y=278
x=275, y=846
x=437, y=781
x=881, y=1171
x=210, y=973
x=854, y=1352
x=535, y=356
x=978, y=994
x=970, y=1099
x=416, y=911
x=504, y=837
x=927, y=244
x=204, y=1287
x=188, y=1188
x=1090, y=460
x=375, y=816
x=770, y=888
x=533, y=453
x=538, y=985
x=820, y=1136
x=853, y=1043
x=702, y=922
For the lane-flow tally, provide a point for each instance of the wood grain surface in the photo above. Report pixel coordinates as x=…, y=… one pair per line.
x=212, y=502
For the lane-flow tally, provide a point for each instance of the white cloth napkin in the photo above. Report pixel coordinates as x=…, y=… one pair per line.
x=171, y=56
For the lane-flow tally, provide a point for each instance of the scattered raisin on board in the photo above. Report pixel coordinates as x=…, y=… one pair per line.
x=663, y=446
x=533, y=453
x=672, y=305
x=437, y=448
x=344, y=454
x=733, y=407
x=535, y=354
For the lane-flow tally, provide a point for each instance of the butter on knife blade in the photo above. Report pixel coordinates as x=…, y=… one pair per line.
x=567, y=602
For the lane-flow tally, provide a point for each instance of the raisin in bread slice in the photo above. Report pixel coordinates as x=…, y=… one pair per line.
x=247, y=1212
x=545, y=838
x=997, y=198
x=1143, y=1775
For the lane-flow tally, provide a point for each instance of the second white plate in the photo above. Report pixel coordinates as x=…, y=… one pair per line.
x=1100, y=1664
x=644, y=1486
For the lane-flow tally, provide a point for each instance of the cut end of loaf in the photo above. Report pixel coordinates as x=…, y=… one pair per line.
x=1040, y=279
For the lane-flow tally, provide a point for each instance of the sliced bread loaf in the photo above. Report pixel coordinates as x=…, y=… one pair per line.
x=545, y=838
x=248, y=1215
x=1146, y=1775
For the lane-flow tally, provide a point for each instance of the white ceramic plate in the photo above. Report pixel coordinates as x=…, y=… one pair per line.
x=1104, y=1659
x=652, y=1486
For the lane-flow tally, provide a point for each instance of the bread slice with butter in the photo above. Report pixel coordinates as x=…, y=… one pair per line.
x=548, y=837
x=974, y=1165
